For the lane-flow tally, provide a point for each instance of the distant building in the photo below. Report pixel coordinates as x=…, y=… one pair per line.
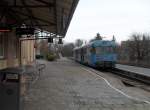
x=54, y=19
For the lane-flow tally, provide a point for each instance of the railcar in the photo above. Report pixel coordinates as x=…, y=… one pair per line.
x=98, y=53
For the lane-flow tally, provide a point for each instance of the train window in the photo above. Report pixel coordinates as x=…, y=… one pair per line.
x=113, y=49
x=84, y=50
x=93, y=50
x=100, y=50
x=109, y=50
x=88, y=50
x=77, y=52
x=105, y=50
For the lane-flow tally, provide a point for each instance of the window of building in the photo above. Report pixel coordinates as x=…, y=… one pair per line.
x=1, y=46
x=15, y=47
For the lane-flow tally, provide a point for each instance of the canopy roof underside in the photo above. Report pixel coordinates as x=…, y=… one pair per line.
x=53, y=16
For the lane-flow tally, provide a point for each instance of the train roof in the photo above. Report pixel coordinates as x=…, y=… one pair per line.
x=98, y=43
x=104, y=43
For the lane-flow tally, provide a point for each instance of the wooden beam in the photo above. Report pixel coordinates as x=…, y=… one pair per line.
x=45, y=2
x=42, y=20
x=27, y=6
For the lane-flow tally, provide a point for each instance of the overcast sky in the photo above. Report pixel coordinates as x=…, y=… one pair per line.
x=109, y=17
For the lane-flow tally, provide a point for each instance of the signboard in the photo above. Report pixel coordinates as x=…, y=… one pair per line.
x=25, y=31
x=5, y=28
x=12, y=76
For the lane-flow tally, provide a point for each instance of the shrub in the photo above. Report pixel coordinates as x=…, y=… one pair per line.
x=51, y=56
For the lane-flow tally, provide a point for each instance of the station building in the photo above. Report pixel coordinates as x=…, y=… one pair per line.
x=51, y=16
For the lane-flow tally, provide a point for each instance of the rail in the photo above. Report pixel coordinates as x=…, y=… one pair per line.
x=131, y=75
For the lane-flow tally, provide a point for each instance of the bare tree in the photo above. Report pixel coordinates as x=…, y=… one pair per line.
x=114, y=39
x=78, y=42
x=136, y=49
x=97, y=37
x=139, y=45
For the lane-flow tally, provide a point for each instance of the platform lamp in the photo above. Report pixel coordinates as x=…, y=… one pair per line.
x=60, y=41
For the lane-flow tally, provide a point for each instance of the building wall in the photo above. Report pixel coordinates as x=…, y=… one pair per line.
x=27, y=51
x=11, y=51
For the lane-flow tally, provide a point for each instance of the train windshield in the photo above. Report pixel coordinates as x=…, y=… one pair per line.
x=105, y=50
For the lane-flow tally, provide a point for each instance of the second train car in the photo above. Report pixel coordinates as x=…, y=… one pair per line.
x=98, y=53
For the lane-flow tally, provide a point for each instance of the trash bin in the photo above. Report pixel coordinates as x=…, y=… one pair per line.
x=10, y=90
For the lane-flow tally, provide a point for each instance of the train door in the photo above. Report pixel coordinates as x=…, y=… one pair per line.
x=82, y=55
x=93, y=56
x=75, y=53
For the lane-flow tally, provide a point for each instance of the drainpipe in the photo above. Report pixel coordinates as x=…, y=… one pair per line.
x=20, y=60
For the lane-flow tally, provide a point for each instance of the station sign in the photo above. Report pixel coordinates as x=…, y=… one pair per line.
x=25, y=31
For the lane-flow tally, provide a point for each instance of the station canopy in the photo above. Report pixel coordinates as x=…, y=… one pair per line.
x=53, y=16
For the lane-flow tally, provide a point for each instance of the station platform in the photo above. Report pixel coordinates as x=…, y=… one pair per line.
x=67, y=85
x=134, y=69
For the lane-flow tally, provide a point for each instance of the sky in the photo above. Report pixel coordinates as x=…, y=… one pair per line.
x=120, y=18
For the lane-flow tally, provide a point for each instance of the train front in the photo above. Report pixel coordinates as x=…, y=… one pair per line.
x=105, y=54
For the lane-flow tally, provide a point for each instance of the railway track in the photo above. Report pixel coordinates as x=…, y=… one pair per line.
x=127, y=74
x=96, y=73
x=129, y=79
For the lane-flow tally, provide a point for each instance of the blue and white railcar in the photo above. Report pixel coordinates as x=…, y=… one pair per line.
x=99, y=53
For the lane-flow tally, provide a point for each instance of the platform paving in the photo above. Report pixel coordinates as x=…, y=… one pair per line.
x=139, y=70
x=65, y=85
